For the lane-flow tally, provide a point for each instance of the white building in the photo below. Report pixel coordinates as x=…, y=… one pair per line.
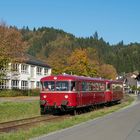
x=26, y=75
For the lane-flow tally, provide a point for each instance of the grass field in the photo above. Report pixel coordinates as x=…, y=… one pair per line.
x=18, y=110
x=53, y=126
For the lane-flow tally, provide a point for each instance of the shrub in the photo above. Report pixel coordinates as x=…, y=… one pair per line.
x=34, y=92
x=19, y=92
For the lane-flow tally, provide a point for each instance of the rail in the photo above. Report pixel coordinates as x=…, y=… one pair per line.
x=27, y=122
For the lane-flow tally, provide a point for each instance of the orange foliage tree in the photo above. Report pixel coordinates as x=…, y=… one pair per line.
x=58, y=60
x=12, y=47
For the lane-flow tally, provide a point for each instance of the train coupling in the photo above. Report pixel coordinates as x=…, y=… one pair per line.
x=43, y=102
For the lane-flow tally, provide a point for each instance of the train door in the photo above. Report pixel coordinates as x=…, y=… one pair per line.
x=108, y=92
x=79, y=94
x=114, y=93
x=84, y=95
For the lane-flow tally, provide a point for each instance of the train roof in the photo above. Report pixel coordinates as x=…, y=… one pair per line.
x=71, y=77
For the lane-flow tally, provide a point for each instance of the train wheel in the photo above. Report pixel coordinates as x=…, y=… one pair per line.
x=92, y=108
x=42, y=112
x=79, y=112
x=73, y=112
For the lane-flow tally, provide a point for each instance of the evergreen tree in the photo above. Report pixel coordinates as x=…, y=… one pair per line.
x=95, y=36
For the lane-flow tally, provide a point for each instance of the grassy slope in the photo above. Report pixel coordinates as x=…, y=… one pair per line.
x=17, y=110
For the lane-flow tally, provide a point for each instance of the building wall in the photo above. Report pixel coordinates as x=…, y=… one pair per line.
x=24, y=76
x=138, y=84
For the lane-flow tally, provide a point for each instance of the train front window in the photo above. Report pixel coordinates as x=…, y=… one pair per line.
x=49, y=85
x=62, y=86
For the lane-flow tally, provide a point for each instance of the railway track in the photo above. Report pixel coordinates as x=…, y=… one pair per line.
x=30, y=122
x=27, y=123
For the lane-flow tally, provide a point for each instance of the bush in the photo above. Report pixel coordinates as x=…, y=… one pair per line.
x=34, y=92
x=18, y=92
x=10, y=93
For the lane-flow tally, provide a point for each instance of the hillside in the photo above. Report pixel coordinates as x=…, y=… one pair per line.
x=46, y=43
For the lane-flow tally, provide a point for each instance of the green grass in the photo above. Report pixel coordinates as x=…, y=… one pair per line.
x=53, y=126
x=18, y=110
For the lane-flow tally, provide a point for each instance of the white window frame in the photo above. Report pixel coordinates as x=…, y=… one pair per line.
x=24, y=68
x=24, y=84
x=46, y=71
x=4, y=84
x=39, y=71
x=38, y=85
x=15, y=67
x=15, y=84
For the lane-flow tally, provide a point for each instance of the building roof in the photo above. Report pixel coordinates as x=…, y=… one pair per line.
x=131, y=81
x=34, y=61
x=138, y=77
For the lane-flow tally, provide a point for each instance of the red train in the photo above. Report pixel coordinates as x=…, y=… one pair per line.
x=70, y=92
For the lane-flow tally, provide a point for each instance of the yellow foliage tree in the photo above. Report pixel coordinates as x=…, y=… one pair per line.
x=79, y=63
x=107, y=71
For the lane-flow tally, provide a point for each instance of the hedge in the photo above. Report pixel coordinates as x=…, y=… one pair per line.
x=18, y=92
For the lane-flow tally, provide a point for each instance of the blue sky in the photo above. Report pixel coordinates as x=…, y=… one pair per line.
x=114, y=20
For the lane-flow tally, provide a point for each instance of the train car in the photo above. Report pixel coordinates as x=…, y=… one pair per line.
x=114, y=91
x=70, y=92
x=117, y=91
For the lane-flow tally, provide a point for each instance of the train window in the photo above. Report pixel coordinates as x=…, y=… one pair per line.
x=62, y=86
x=73, y=86
x=97, y=87
x=117, y=87
x=108, y=86
x=49, y=85
x=102, y=87
x=90, y=86
x=93, y=86
x=84, y=86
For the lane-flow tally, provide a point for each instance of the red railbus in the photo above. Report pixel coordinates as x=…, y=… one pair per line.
x=70, y=92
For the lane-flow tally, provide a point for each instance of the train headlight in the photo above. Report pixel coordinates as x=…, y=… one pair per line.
x=44, y=96
x=66, y=96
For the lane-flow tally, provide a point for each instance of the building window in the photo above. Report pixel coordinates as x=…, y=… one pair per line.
x=4, y=67
x=15, y=84
x=24, y=84
x=15, y=67
x=45, y=71
x=32, y=84
x=38, y=84
x=24, y=68
x=39, y=71
x=4, y=84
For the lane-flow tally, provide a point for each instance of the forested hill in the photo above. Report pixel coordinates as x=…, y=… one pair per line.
x=49, y=44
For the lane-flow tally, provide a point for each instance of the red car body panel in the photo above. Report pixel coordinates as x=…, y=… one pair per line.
x=58, y=98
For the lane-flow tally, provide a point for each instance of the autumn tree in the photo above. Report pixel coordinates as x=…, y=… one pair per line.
x=58, y=60
x=79, y=63
x=12, y=47
x=94, y=61
x=107, y=71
